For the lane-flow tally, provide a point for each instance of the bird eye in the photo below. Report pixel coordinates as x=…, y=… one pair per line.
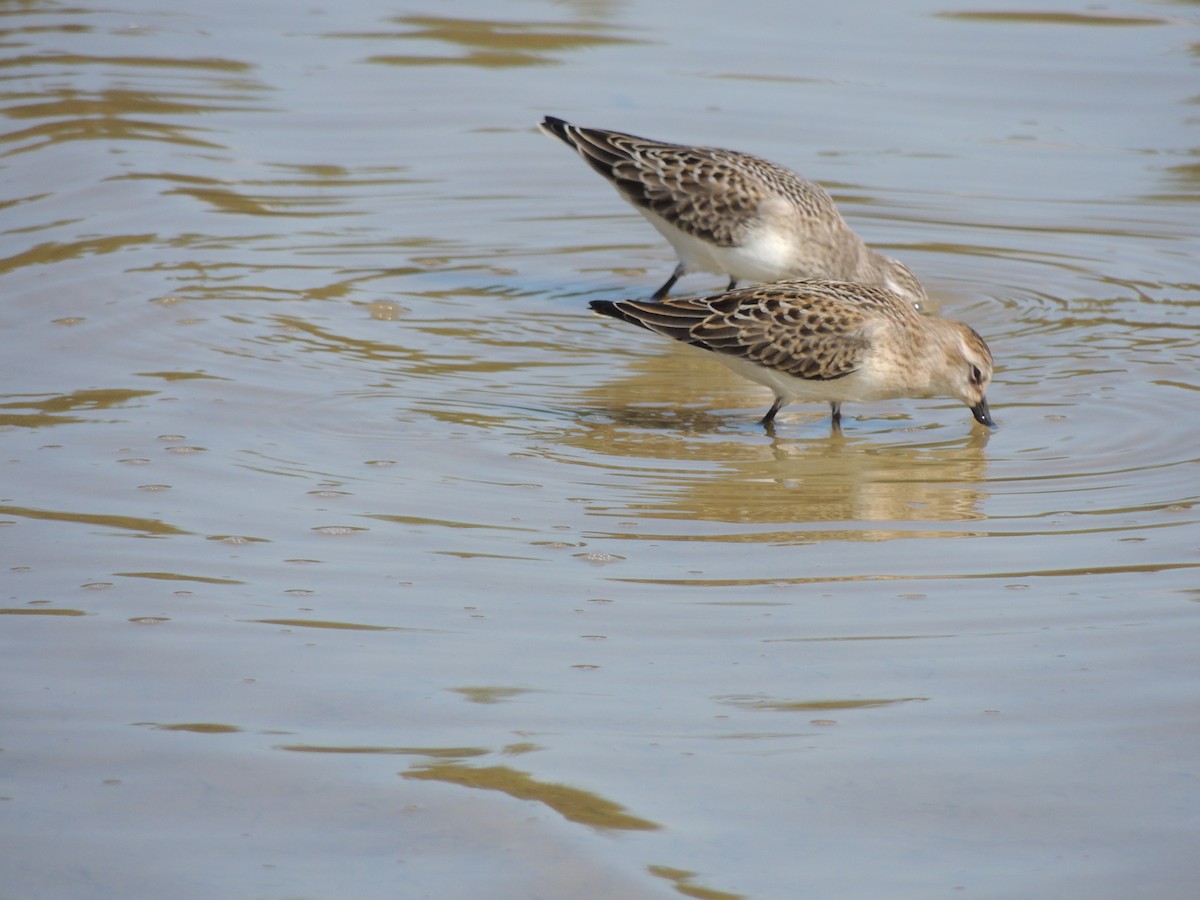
x=976, y=375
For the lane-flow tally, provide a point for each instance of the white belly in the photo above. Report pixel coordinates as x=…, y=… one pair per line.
x=764, y=257
x=857, y=387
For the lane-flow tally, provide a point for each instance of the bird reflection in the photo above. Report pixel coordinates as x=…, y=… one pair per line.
x=690, y=462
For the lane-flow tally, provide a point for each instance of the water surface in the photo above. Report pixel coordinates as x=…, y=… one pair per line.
x=345, y=554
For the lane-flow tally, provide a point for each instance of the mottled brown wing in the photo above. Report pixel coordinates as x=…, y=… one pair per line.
x=803, y=330
x=808, y=335
x=705, y=192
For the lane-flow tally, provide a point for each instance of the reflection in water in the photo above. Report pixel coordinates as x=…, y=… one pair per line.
x=194, y=727
x=495, y=44
x=692, y=467
x=811, y=705
x=684, y=881
x=178, y=576
x=306, y=191
x=143, y=527
x=62, y=251
x=50, y=408
x=106, y=117
x=571, y=803
x=447, y=348
x=1033, y=17
x=828, y=481
x=431, y=752
x=490, y=693
x=334, y=626
x=120, y=114
x=36, y=611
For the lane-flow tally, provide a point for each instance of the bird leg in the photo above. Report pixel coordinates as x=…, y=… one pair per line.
x=768, y=421
x=835, y=407
x=732, y=283
x=662, y=292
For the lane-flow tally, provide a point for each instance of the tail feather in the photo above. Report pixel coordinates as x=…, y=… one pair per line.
x=613, y=308
x=558, y=128
x=598, y=149
x=674, y=320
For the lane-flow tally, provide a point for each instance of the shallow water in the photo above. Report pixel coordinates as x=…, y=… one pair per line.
x=347, y=555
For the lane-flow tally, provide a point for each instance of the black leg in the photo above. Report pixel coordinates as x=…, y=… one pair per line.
x=662, y=292
x=768, y=421
x=836, y=407
x=732, y=283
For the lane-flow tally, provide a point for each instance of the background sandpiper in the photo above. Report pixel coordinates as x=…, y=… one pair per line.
x=734, y=214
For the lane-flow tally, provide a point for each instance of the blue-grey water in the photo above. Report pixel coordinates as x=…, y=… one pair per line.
x=346, y=555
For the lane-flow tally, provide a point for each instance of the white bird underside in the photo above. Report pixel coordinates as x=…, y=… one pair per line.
x=762, y=256
x=861, y=386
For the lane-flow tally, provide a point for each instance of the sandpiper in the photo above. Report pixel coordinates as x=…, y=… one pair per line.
x=734, y=214
x=825, y=340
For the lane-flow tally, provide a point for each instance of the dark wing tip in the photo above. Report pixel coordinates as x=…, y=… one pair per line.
x=613, y=309
x=556, y=127
x=673, y=318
